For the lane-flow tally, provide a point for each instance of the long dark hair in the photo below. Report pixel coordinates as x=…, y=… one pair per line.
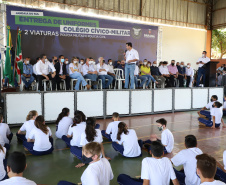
x=83, y=116
x=77, y=119
x=90, y=131
x=31, y=114
x=64, y=113
x=39, y=123
x=121, y=129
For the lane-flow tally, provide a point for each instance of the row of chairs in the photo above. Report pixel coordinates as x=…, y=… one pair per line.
x=119, y=78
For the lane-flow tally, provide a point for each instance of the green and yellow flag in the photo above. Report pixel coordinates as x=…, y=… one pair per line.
x=8, y=71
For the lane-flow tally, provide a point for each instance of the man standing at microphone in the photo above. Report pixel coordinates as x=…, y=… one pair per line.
x=131, y=57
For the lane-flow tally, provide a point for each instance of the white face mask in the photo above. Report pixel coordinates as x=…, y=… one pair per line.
x=149, y=65
x=155, y=65
x=67, y=62
x=145, y=63
x=181, y=65
x=75, y=61
x=110, y=63
x=203, y=55
x=90, y=62
x=81, y=62
x=188, y=66
x=28, y=62
x=46, y=60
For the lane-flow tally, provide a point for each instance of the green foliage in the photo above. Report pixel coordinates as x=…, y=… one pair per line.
x=219, y=41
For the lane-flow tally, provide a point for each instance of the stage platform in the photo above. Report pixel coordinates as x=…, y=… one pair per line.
x=102, y=103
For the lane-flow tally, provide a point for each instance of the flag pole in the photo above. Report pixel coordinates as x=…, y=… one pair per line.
x=15, y=57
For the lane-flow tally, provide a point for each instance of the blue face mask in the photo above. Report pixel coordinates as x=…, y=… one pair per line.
x=62, y=60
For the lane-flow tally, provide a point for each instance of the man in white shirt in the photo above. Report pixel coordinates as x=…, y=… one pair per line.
x=189, y=74
x=207, y=114
x=155, y=170
x=102, y=70
x=90, y=73
x=163, y=69
x=202, y=69
x=16, y=164
x=187, y=158
x=42, y=68
x=206, y=170
x=111, y=71
x=99, y=170
x=131, y=57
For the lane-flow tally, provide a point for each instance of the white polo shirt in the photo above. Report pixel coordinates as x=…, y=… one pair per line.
x=210, y=107
x=164, y=70
x=204, y=60
x=157, y=171
x=76, y=132
x=131, y=55
x=86, y=68
x=2, y=168
x=43, y=68
x=111, y=69
x=113, y=129
x=42, y=142
x=218, y=113
x=104, y=66
x=98, y=138
x=17, y=181
x=167, y=140
x=27, y=126
x=4, y=131
x=130, y=144
x=98, y=173
x=34, y=69
x=63, y=126
x=187, y=158
x=215, y=182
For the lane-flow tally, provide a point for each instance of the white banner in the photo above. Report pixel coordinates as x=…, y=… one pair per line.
x=27, y=13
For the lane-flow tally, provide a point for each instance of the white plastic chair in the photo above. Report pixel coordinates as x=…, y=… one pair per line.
x=119, y=77
x=44, y=82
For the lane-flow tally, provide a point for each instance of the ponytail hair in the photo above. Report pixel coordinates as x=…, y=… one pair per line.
x=218, y=104
x=39, y=123
x=90, y=131
x=1, y=148
x=31, y=114
x=77, y=120
x=83, y=116
x=121, y=129
x=64, y=113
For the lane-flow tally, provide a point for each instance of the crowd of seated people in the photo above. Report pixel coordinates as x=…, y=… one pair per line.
x=88, y=73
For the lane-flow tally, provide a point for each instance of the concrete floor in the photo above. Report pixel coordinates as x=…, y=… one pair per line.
x=60, y=165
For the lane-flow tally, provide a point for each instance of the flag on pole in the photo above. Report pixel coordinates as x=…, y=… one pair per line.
x=19, y=61
x=8, y=71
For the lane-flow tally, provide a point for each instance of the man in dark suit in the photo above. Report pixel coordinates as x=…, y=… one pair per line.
x=61, y=73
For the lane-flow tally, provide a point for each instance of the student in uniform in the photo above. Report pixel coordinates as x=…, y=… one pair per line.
x=40, y=140
x=207, y=114
x=28, y=125
x=99, y=171
x=221, y=170
x=63, y=123
x=216, y=114
x=167, y=138
x=187, y=158
x=155, y=170
x=5, y=132
x=206, y=170
x=16, y=164
x=90, y=135
x=3, y=174
x=73, y=138
x=127, y=142
x=112, y=128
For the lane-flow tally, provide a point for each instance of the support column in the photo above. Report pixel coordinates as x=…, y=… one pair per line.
x=208, y=42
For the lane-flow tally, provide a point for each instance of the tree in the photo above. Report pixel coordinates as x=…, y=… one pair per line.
x=219, y=41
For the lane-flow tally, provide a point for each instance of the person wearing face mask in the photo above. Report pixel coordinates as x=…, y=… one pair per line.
x=189, y=74
x=90, y=73
x=165, y=73
x=102, y=70
x=27, y=76
x=118, y=63
x=67, y=63
x=207, y=114
x=181, y=74
x=99, y=169
x=146, y=72
x=173, y=72
x=42, y=68
x=61, y=73
x=111, y=71
x=216, y=117
x=167, y=138
x=157, y=75
x=75, y=73
x=202, y=69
